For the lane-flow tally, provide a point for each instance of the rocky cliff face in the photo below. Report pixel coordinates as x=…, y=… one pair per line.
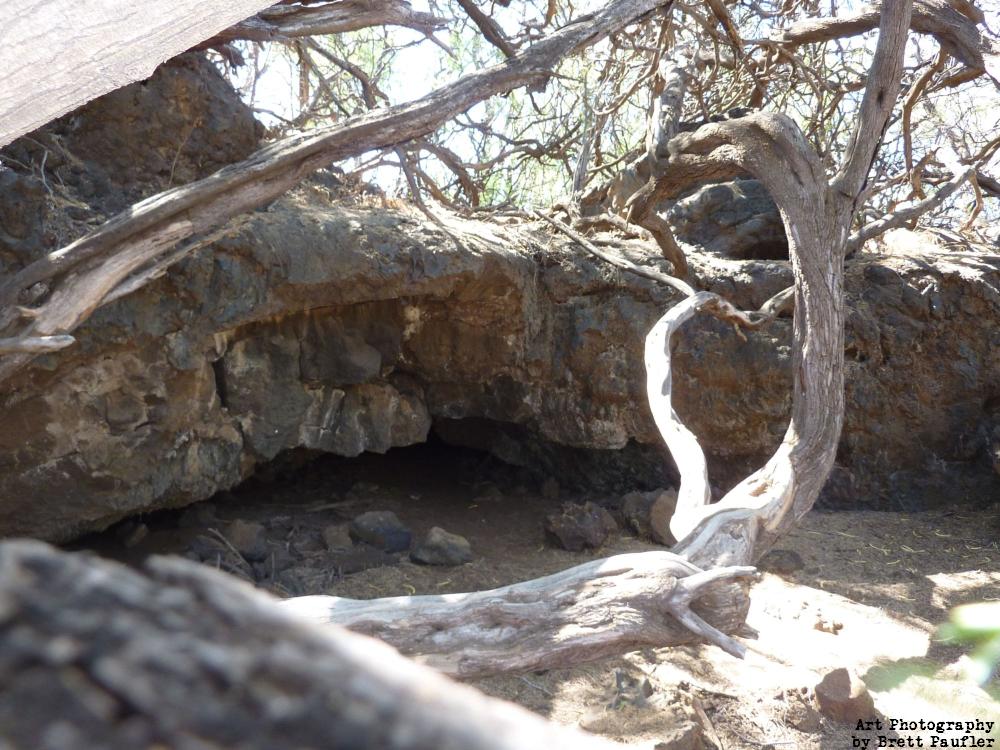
x=331, y=324
x=735, y=219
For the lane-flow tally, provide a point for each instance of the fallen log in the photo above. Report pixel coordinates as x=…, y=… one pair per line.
x=95, y=656
x=598, y=609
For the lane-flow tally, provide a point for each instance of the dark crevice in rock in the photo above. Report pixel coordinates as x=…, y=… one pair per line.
x=292, y=525
x=632, y=467
x=219, y=372
x=767, y=250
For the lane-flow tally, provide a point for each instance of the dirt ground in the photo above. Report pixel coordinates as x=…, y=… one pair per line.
x=860, y=590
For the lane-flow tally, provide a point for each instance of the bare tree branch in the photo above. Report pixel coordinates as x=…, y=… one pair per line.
x=493, y=33
x=989, y=185
x=879, y=99
x=283, y=22
x=945, y=20
x=907, y=213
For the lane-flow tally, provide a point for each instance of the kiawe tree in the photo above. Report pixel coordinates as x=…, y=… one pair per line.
x=827, y=126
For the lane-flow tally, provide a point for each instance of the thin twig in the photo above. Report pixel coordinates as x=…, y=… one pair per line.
x=177, y=154
x=717, y=306
x=229, y=545
x=535, y=685
x=615, y=260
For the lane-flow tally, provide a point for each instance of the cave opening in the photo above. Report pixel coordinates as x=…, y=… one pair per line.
x=771, y=249
x=308, y=522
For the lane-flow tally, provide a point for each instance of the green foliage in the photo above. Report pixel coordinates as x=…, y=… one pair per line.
x=979, y=625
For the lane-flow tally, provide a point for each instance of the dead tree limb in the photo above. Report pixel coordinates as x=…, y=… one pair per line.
x=906, y=213
x=589, y=612
x=284, y=22
x=989, y=185
x=82, y=274
x=715, y=304
x=490, y=29
x=182, y=656
x=694, y=491
x=47, y=61
x=947, y=21
x=674, y=74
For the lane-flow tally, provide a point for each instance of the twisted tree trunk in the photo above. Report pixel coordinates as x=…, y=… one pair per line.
x=700, y=588
x=733, y=533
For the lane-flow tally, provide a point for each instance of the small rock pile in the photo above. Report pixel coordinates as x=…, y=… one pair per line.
x=576, y=527
x=295, y=557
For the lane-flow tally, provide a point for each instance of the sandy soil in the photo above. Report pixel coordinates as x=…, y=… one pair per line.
x=860, y=590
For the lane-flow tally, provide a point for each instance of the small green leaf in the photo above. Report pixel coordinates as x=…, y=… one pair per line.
x=975, y=621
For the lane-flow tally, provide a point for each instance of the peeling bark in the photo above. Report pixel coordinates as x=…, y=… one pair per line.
x=284, y=22
x=97, y=657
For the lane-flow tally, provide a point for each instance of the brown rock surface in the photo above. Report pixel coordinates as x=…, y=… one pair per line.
x=343, y=328
x=844, y=698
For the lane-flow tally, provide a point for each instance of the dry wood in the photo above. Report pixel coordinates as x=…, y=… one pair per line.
x=35, y=344
x=989, y=185
x=914, y=94
x=907, y=212
x=946, y=20
x=817, y=216
x=616, y=260
x=881, y=92
x=284, y=22
x=694, y=491
x=718, y=306
x=490, y=29
x=182, y=656
x=673, y=73
x=589, y=612
x=157, y=224
x=48, y=63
